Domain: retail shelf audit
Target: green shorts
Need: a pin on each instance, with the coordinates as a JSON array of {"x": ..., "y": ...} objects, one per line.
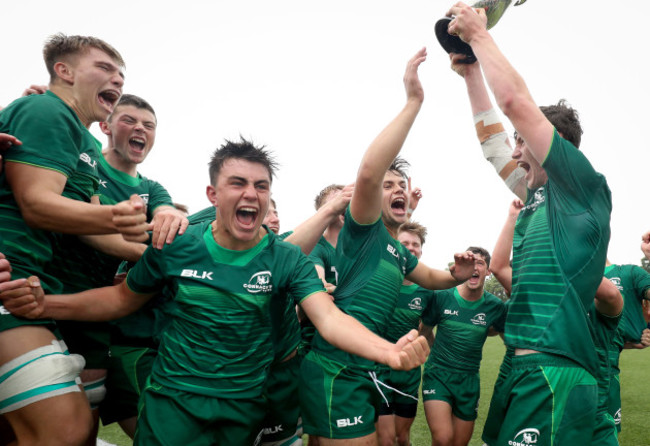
[
  {"x": 281, "y": 391},
  {"x": 88, "y": 339},
  {"x": 336, "y": 401},
  {"x": 400, "y": 388},
  {"x": 173, "y": 417},
  {"x": 614, "y": 400},
  {"x": 128, "y": 370},
  {"x": 605, "y": 433},
  {"x": 497, "y": 409},
  {"x": 549, "y": 400},
  {"x": 460, "y": 390}
]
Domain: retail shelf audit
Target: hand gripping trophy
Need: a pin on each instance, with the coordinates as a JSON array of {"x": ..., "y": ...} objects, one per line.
[{"x": 494, "y": 9}]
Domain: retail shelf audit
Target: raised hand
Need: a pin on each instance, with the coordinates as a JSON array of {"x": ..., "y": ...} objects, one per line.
[
  {"x": 463, "y": 266},
  {"x": 414, "y": 90}
]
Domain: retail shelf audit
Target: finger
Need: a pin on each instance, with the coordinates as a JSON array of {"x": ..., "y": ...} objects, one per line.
[
  {"x": 184, "y": 224},
  {"x": 173, "y": 230},
  {"x": 409, "y": 184},
  {"x": 6, "y": 287}
]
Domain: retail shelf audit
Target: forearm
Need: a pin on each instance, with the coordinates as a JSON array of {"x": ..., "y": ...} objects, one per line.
[
  {"x": 114, "y": 245},
  {"x": 99, "y": 304},
  {"x": 307, "y": 234},
  {"x": 505, "y": 82},
  {"x": 56, "y": 213},
  {"x": 433, "y": 279},
  {"x": 348, "y": 334},
  {"x": 387, "y": 145}
]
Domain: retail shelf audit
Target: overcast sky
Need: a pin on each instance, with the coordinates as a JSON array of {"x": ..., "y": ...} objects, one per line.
[{"x": 317, "y": 81}]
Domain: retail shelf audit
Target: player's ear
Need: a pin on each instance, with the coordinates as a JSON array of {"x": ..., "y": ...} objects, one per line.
[
  {"x": 211, "y": 193},
  {"x": 104, "y": 128},
  {"x": 64, "y": 72}
]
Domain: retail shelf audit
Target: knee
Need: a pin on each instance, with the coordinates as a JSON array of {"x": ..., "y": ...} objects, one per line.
[{"x": 403, "y": 439}]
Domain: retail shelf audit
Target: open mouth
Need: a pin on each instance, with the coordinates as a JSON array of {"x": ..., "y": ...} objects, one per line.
[
  {"x": 109, "y": 98},
  {"x": 246, "y": 216},
  {"x": 398, "y": 206},
  {"x": 137, "y": 143},
  {"x": 474, "y": 279}
]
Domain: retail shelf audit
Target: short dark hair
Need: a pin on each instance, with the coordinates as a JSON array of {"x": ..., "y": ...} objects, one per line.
[
  {"x": 565, "y": 119},
  {"x": 135, "y": 101},
  {"x": 400, "y": 166},
  {"x": 59, "y": 46},
  {"x": 322, "y": 195},
  {"x": 482, "y": 252},
  {"x": 244, "y": 150},
  {"x": 414, "y": 228}
]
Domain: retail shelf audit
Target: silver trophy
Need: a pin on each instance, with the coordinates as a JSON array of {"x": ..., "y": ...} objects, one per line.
[{"x": 494, "y": 9}]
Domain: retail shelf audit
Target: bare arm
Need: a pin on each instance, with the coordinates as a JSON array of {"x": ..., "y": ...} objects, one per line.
[
  {"x": 365, "y": 206},
  {"x": 508, "y": 87},
  {"x": 38, "y": 194},
  {"x": 114, "y": 245},
  {"x": 435, "y": 279},
  {"x": 348, "y": 334},
  {"x": 489, "y": 129},
  {"x": 307, "y": 234},
  {"x": 25, "y": 298},
  {"x": 608, "y": 298},
  {"x": 500, "y": 263}
]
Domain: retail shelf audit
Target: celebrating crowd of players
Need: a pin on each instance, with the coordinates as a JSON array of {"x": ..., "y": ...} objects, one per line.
[{"x": 214, "y": 328}]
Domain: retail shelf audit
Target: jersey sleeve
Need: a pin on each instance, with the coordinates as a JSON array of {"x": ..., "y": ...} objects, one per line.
[
  {"x": 148, "y": 273},
  {"x": 572, "y": 173},
  {"x": 48, "y": 137},
  {"x": 304, "y": 280},
  {"x": 158, "y": 196},
  {"x": 641, "y": 280},
  {"x": 317, "y": 255},
  {"x": 353, "y": 235}
]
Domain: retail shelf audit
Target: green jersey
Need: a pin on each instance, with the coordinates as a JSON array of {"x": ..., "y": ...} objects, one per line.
[
  {"x": 633, "y": 282},
  {"x": 323, "y": 255},
  {"x": 207, "y": 214},
  {"x": 412, "y": 302},
  {"x": 559, "y": 249},
  {"x": 462, "y": 329},
  {"x": 219, "y": 340},
  {"x": 80, "y": 267},
  {"x": 371, "y": 266},
  {"x": 53, "y": 138},
  {"x": 605, "y": 328}
]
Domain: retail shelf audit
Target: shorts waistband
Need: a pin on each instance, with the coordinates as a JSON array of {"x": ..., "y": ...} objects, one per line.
[{"x": 547, "y": 359}]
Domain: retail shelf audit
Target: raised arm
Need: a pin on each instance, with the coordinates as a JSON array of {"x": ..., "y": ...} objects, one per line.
[
  {"x": 489, "y": 129},
  {"x": 307, "y": 234},
  {"x": 435, "y": 279},
  {"x": 508, "y": 87},
  {"x": 500, "y": 263},
  {"x": 365, "y": 206}
]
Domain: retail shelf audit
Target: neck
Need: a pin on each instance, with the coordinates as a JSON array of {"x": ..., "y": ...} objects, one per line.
[
  {"x": 468, "y": 293},
  {"x": 225, "y": 239},
  {"x": 117, "y": 162},
  {"x": 66, "y": 95},
  {"x": 331, "y": 234}
]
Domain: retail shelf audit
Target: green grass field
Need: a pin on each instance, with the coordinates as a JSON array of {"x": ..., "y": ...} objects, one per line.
[{"x": 634, "y": 389}]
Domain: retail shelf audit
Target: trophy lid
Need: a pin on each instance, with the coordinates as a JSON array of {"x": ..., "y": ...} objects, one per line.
[{"x": 452, "y": 43}]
